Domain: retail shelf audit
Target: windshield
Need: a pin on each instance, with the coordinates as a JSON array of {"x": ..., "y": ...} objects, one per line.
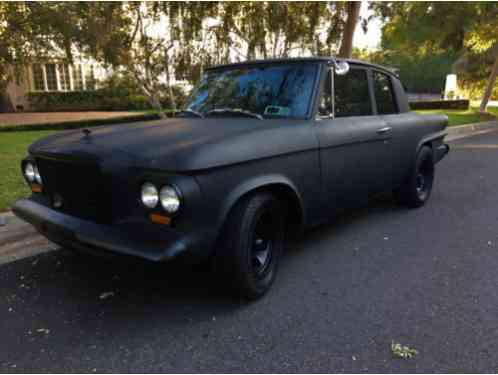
[{"x": 269, "y": 91}]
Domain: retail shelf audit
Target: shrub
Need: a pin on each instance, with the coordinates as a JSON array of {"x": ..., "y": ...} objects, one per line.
[
  {"x": 440, "y": 104},
  {"x": 99, "y": 100},
  {"x": 106, "y": 99}
]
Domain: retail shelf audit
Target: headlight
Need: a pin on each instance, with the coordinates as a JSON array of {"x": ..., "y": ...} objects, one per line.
[
  {"x": 29, "y": 172},
  {"x": 169, "y": 199},
  {"x": 150, "y": 197},
  {"x": 38, "y": 176}
]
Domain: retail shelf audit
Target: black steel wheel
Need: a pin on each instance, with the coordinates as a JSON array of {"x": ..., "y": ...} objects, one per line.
[
  {"x": 251, "y": 245},
  {"x": 417, "y": 189}
]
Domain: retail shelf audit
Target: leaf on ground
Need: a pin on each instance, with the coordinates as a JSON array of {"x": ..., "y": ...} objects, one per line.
[
  {"x": 106, "y": 295},
  {"x": 401, "y": 351}
]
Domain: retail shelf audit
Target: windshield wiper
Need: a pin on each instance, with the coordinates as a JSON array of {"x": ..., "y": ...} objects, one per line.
[
  {"x": 238, "y": 111},
  {"x": 191, "y": 111}
]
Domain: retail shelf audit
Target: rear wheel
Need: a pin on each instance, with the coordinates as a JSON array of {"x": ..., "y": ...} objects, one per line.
[
  {"x": 417, "y": 189},
  {"x": 252, "y": 243}
]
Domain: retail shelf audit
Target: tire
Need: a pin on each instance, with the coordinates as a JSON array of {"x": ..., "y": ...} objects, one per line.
[
  {"x": 415, "y": 192},
  {"x": 251, "y": 245}
]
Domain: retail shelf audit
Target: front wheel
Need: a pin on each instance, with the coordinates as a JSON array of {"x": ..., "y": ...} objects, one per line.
[
  {"x": 417, "y": 189},
  {"x": 251, "y": 245}
]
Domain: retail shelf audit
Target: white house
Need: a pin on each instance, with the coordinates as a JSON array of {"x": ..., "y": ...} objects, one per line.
[{"x": 52, "y": 76}]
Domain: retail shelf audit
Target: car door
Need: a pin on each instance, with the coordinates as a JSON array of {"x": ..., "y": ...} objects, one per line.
[
  {"x": 353, "y": 140},
  {"x": 388, "y": 109}
]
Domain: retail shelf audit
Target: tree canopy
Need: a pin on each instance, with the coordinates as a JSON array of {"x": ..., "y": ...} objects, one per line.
[{"x": 465, "y": 32}]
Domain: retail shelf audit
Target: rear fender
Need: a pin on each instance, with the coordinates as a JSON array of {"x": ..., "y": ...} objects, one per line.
[{"x": 435, "y": 142}]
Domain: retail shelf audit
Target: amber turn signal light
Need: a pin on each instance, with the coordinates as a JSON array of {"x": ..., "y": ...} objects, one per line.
[
  {"x": 35, "y": 188},
  {"x": 160, "y": 219}
]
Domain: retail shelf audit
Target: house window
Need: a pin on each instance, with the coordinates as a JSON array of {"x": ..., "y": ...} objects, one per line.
[
  {"x": 89, "y": 78},
  {"x": 38, "y": 82},
  {"x": 77, "y": 78},
  {"x": 58, "y": 77},
  {"x": 64, "y": 77},
  {"x": 51, "y": 77}
]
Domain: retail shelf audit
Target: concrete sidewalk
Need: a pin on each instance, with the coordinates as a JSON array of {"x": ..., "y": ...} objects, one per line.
[{"x": 19, "y": 239}]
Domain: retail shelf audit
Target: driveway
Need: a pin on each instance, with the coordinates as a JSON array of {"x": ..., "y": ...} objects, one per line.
[
  {"x": 425, "y": 278},
  {"x": 23, "y": 118}
]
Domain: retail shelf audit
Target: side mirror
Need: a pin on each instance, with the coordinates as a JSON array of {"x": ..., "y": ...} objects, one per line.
[{"x": 341, "y": 68}]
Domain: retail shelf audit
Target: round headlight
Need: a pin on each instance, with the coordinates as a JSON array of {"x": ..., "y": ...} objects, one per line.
[
  {"x": 29, "y": 172},
  {"x": 38, "y": 176},
  {"x": 169, "y": 199},
  {"x": 150, "y": 197}
]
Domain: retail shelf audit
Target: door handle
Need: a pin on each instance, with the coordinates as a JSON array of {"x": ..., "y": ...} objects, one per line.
[{"x": 384, "y": 130}]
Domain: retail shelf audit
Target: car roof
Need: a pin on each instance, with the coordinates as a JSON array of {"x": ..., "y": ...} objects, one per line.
[{"x": 319, "y": 59}]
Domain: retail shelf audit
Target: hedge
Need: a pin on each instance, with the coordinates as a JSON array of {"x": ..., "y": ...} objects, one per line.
[
  {"x": 98, "y": 100},
  {"x": 441, "y": 104},
  {"x": 78, "y": 124}
]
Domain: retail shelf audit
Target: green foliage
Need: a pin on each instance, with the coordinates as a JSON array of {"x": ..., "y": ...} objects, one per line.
[
  {"x": 107, "y": 99},
  {"x": 419, "y": 72},
  {"x": 473, "y": 89},
  {"x": 123, "y": 85},
  {"x": 100, "y": 100},
  {"x": 466, "y": 33},
  {"x": 440, "y": 104}
]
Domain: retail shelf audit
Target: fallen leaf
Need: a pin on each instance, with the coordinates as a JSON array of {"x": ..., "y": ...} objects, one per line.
[
  {"x": 106, "y": 295},
  {"x": 404, "y": 352}
]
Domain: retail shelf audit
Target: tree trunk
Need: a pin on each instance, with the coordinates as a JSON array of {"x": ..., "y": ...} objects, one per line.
[
  {"x": 489, "y": 87},
  {"x": 168, "y": 82},
  {"x": 157, "y": 105},
  {"x": 346, "y": 49},
  {"x": 151, "y": 97}
]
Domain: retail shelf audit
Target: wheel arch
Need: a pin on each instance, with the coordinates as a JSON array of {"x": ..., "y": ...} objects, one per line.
[
  {"x": 278, "y": 185},
  {"x": 431, "y": 140}
]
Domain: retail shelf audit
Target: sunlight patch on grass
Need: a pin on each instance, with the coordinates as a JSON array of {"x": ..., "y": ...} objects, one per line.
[{"x": 13, "y": 148}]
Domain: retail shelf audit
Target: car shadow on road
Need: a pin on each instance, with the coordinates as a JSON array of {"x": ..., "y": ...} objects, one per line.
[
  {"x": 93, "y": 291},
  {"x": 378, "y": 207}
]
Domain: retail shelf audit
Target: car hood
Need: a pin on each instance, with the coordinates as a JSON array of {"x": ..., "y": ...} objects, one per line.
[{"x": 183, "y": 144}]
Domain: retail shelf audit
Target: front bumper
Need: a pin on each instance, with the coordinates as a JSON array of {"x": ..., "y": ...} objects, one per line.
[{"x": 141, "y": 239}]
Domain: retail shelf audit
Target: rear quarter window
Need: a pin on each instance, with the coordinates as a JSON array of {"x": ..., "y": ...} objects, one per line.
[{"x": 384, "y": 93}]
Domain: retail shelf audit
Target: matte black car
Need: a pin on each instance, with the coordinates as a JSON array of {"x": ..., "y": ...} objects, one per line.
[{"x": 263, "y": 149}]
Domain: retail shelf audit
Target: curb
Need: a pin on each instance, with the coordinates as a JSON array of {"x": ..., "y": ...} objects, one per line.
[
  {"x": 461, "y": 131},
  {"x": 13, "y": 229}
]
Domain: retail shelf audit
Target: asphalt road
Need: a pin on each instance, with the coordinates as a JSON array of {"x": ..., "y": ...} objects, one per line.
[{"x": 425, "y": 278}]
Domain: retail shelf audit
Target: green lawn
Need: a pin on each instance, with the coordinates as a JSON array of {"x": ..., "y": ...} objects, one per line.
[
  {"x": 461, "y": 117},
  {"x": 13, "y": 148},
  {"x": 493, "y": 110}
]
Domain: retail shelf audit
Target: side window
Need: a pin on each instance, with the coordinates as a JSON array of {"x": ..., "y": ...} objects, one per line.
[
  {"x": 352, "y": 95},
  {"x": 325, "y": 105},
  {"x": 384, "y": 95}
]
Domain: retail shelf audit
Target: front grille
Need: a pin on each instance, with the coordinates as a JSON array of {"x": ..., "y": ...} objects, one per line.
[{"x": 79, "y": 185}]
